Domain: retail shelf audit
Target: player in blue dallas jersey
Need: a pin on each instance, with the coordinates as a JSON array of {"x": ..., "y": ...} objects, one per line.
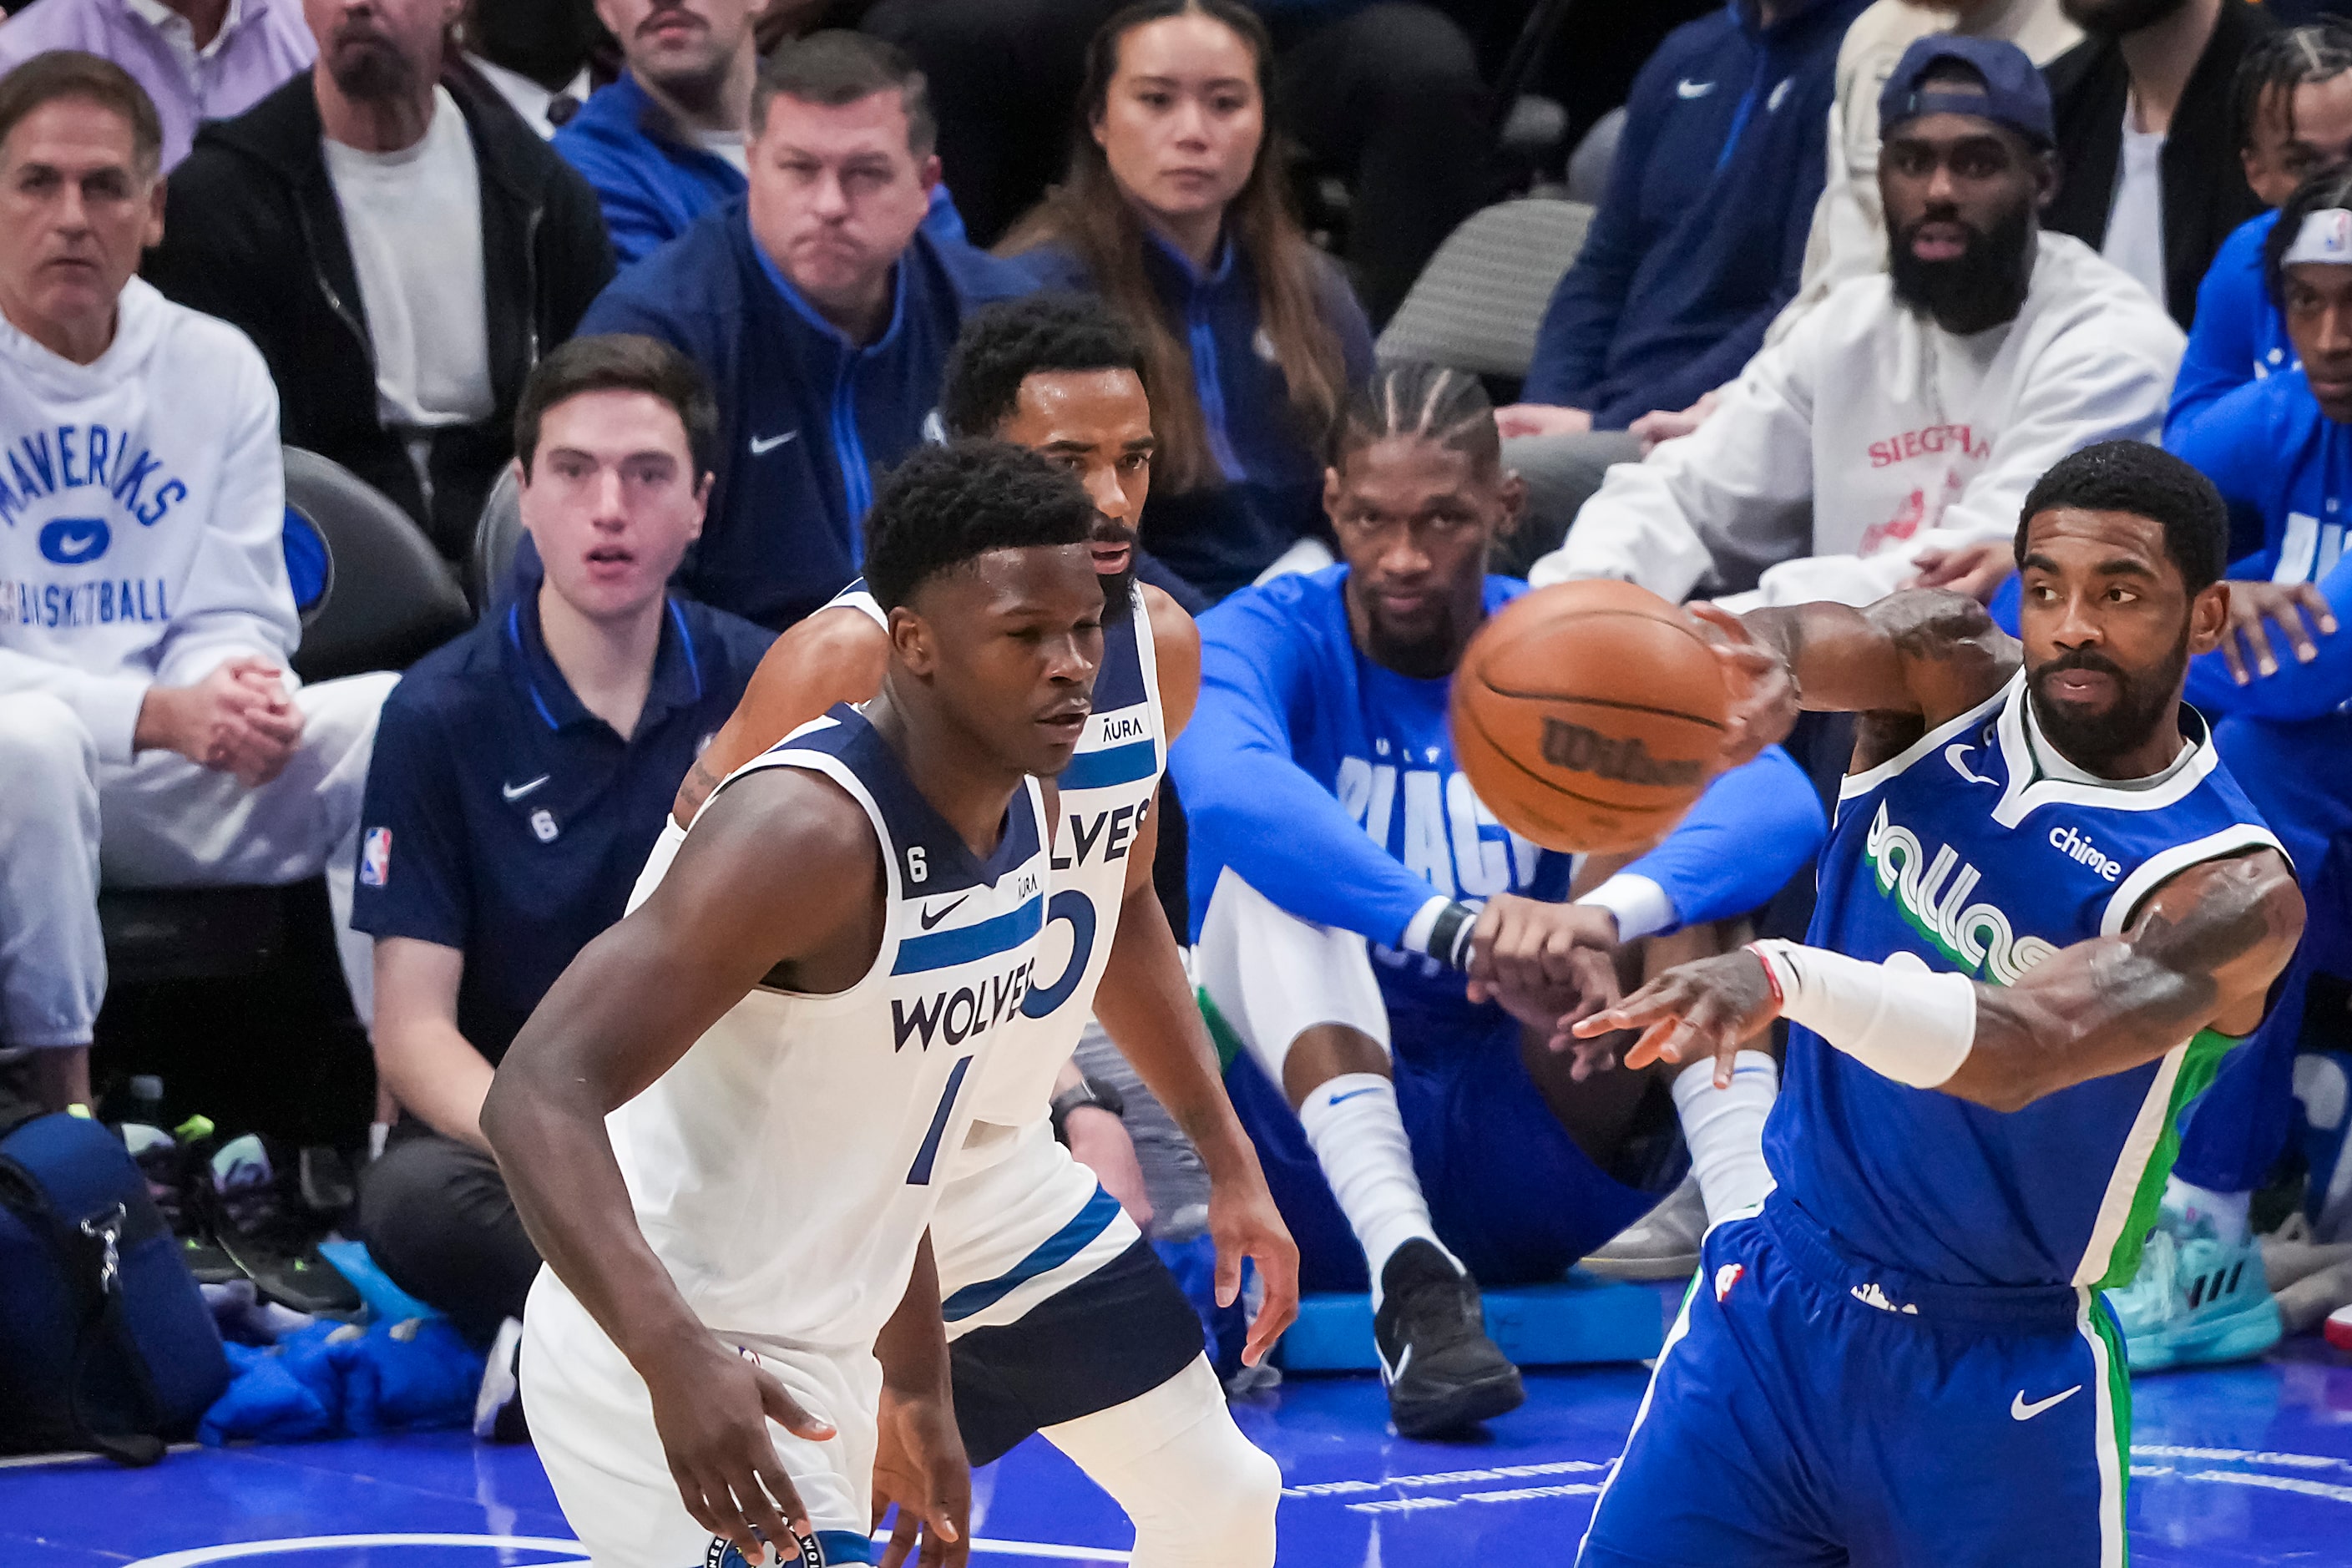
[
  {"x": 2045, "y": 913},
  {"x": 715, "y": 1125},
  {"x": 1417, "y": 1137},
  {"x": 1061, "y": 1318}
]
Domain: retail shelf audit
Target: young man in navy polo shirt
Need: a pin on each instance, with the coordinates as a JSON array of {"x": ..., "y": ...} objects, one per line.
[
  {"x": 520, "y": 776},
  {"x": 822, "y": 307}
]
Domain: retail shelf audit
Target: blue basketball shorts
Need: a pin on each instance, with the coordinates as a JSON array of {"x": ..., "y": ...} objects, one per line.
[{"x": 1809, "y": 1410}]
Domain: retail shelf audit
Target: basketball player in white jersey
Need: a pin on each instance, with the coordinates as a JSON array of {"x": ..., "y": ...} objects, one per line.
[
  {"x": 1062, "y": 1319},
  {"x": 722, "y": 1126}
]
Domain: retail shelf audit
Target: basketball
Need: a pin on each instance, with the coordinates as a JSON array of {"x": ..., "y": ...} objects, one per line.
[{"x": 1588, "y": 715}]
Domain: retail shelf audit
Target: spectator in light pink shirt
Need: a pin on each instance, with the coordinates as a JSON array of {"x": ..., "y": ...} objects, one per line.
[{"x": 198, "y": 59}]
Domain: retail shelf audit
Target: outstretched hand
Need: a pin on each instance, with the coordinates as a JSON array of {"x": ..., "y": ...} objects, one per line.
[
  {"x": 711, "y": 1408},
  {"x": 1710, "y": 1008},
  {"x": 920, "y": 1467},
  {"x": 1764, "y": 704}
]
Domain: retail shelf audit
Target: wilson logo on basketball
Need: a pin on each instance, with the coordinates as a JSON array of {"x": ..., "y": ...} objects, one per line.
[{"x": 1626, "y": 761}]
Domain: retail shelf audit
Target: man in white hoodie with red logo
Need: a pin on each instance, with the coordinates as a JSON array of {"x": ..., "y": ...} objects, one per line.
[
  {"x": 150, "y": 731},
  {"x": 1890, "y": 438}
]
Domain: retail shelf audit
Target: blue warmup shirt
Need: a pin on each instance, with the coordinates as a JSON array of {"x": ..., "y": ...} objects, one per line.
[
  {"x": 1220, "y": 536},
  {"x": 2239, "y": 335},
  {"x": 2286, "y": 470},
  {"x": 805, "y": 416},
  {"x": 650, "y": 182},
  {"x": 505, "y": 820},
  {"x": 1962, "y": 854},
  {"x": 1327, "y": 783},
  {"x": 1700, "y": 237}
]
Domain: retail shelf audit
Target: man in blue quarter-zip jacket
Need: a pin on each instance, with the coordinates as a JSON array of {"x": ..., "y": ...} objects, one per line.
[
  {"x": 823, "y": 309},
  {"x": 1698, "y": 243}
]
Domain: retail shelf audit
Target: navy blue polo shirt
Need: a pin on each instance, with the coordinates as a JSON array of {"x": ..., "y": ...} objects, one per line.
[
  {"x": 805, "y": 416},
  {"x": 505, "y": 820}
]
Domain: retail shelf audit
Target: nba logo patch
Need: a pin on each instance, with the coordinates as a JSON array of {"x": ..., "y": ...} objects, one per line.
[
  {"x": 376, "y": 856},
  {"x": 1726, "y": 1277}
]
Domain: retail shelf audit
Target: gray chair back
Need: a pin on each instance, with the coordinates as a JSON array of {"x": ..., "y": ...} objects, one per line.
[
  {"x": 1588, "y": 166},
  {"x": 387, "y": 596},
  {"x": 1476, "y": 306},
  {"x": 496, "y": 534}
]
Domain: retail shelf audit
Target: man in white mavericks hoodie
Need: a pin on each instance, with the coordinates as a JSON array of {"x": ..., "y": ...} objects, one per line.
[
  {"x": 150, "y": 731},
  {"x": 1911, "y": 411}
]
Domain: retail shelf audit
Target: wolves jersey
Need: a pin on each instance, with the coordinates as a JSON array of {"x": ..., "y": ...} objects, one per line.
[
  {"x": 1963, "y": 853},
  {"x": 1106, "y": 795},
  {"x": 784, "y": 1168}
]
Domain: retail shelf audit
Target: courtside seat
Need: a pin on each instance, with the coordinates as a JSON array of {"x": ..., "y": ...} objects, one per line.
[
  {"x": 1477, "y": 304},
  {"x": 372, "y": 595}
]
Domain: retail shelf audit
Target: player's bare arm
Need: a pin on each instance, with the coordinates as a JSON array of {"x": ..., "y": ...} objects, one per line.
[
  {"x": 919, "y": 1463},
  {"x": 1914, "y": 659},
  {"x": 732, "y": 915},
  {"x": 834, "y": 656},
  {"x": 2200, "y": 953},
  {"x": 1146, "y": 1006}
]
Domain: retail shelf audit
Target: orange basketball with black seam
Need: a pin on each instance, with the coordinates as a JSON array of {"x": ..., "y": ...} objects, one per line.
[{"x": 1589, "y": 716}]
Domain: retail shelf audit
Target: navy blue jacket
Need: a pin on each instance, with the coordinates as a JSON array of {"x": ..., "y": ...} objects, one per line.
[
  {"x": 1701, "y": 237},
  {"x": 805, "y": 416},
  {"x": 1220, "y": 536},
  {"x": 650, "y": 181},
  {"x": 505, "y": 820}
]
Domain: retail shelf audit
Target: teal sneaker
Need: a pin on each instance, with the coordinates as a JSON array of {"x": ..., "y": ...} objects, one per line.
[{"x": 2197, "y": 1300}]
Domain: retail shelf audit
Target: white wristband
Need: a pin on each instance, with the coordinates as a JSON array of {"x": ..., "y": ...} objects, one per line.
[{"x": 1899, "y": 1019}]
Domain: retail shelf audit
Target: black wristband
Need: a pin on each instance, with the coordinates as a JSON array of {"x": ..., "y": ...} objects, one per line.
[{"x": 1449, "y": 935}]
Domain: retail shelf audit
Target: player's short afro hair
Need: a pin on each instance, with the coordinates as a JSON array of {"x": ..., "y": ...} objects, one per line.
[
  {"x": 946, "y": 505},
  {"x": 1005, "y": 344},
  {"x": 2146, "y": 481}
]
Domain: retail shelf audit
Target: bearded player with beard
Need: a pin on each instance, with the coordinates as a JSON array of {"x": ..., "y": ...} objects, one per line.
[{"x": 1888, "y": 440}]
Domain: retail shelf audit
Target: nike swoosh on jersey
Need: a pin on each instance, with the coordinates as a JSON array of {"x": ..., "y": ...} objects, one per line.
[
  {"x": 516, "y": 792},
  {"x": 1689, "y": 88},
  {"x": 761, "y": 446},
  {"x": 1952, "y": 756},
  {"x": 1339, "y": 1099},
  {"x": 930, "y": 918},
  {"x": 2020, "y": 1411}
]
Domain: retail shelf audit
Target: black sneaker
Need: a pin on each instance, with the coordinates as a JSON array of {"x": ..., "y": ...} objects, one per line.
[
  {"x": 1442, "y": 1371},
  {"x": 167, "y": 1164},
  {"x": 261, "y": 1227}
]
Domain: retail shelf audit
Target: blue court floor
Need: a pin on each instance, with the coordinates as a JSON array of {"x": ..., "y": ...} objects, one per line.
[{"x": 2250, "y": 1465}]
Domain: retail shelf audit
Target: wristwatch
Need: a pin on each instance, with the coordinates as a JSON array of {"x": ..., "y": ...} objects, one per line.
[{"x": 1086, "y": 1092}]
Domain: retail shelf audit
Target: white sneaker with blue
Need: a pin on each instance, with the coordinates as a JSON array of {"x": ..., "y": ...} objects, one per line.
[{"x": 2198, "y": 1299}]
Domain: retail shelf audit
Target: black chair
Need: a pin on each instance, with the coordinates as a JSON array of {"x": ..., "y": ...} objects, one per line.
[
  {"x": 388, "y": 597},
  {"x": 374, "y": 595}
]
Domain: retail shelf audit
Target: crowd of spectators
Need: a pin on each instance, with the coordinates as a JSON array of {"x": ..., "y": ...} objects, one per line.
[{"x": 1860, "y": 273}]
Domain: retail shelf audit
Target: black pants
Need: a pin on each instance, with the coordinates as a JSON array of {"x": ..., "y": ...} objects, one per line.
[
  {"x": 1389, "y": 96},
  {"x": 435, "y": 1216}
]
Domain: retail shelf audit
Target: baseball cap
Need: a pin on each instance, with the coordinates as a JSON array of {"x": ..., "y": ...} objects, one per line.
[{"x": 2014, "y": 94}]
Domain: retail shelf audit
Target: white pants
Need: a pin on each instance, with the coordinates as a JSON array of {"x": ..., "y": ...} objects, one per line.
[
  {"x": 591, "y": 1419},
  {"x": 1274, "y": 976},
  {"x": 1021, "y": 1228},
  {"x": 69, "y": 823}
]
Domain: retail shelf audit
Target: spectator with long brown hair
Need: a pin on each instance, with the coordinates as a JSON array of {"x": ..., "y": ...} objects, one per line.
[{"x": 1174, "y": 210}]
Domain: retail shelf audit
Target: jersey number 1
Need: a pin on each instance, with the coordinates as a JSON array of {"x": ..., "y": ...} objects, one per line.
[{"x": 918, "y": 1175}]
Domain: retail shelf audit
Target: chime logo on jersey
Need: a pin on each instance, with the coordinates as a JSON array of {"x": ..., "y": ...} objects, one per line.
[{"x": 1933, "y": 894}]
